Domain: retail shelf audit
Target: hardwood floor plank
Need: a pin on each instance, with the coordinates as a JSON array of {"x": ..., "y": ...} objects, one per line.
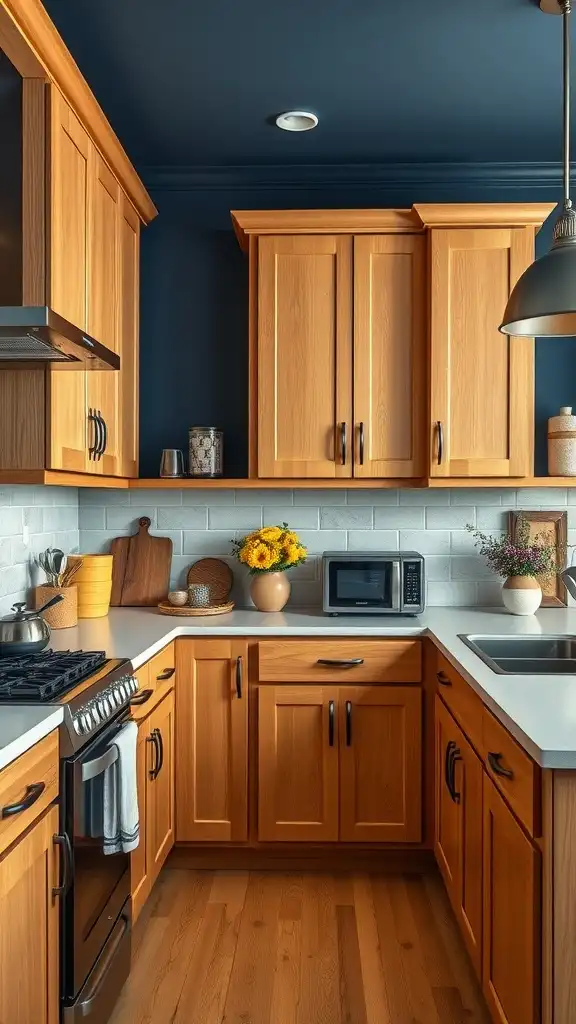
[
  {"x": 351, "y": 984},
  {"x": 287, "y": 974},
  {"x": 378, "y": 1007},
  {"x": 420, "y": 992},
  {"x": 449, "y": 1005},
  {"x": 249, "y": 995},
  {"x": 320, "y": 983},
  {"x": 343, "y": 889},
  {"x": 199, "y": 1000},
  {"x": 396, "y": 981}
]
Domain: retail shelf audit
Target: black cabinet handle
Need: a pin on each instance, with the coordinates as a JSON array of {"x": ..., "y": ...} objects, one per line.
[
  {"x": 343, "y": 444},
  {"x": 160, "y": 752},
  {"x": 440, "y": 432},
  {"x": 494, "y": 762},
  {"x": 63, "y": 841},
  {"x": 166, "y": 674},
  {"x": 331, "y": 722},
  {"x": 447, "y": 768},
  {"x": 141, "y": 698},
  {"x": 443, "y": 679},
  {"x": 361, "y": 444},
  {"x": 348, "y": 723},
  {"x": 104, "y": 444},
  {"x": 340, "y": 662},
  {"x": 100, "y": 442},
  {"x": 153, "y": 739},
  {"x": 456, "y": 756},
  {"x": 32, "y": 794},
  {"x": 239, "y": 676},
  {"x": 95, "y": 447}
]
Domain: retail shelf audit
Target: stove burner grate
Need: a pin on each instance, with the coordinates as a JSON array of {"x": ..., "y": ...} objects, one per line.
[{"x": 41, "y": 677}]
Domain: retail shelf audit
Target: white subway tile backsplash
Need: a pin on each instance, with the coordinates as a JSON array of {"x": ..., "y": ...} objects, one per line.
[
  {"x": 480, "y": 496},
  {"x": 437, "y": 568},
  {"x": 97, "y": 542},
  {"x": 6, "y": 548},
  {"x": 398, "y": 517},
  {"x": 269, "y": 496},
  {"x": 492, "y": 518},
  {"x": 541, "y": 497},
  {"x": 373, "y": 496},
  {"x": 92, "y": 517},
  {"x": 320, "y": 497},
  {"x": 298, "y": 518},
  {"x": 33, "y": 518},
  {"x": 453, "y": 518},
  {"x": 469, "y": 567},
  {"x": 104, "y": 496},
  {"x": 189, "y": 517},
  {"x": 427, "y": 542},
  {"x": 235, "y": 517},
  {"x": 461, "y": 542},
  {"x": 207, "y": 542},
  {"x": 489, "y": 593},
  {"x": 205, "y": 497},
  {"x": 125, "y": 517},
  {"x": 344, "y": 517},
  {"x": 156, "y": 496},
  {"x": 423, "y": 496},
  {"x": 452, "y": 594},
  {"x": 373, "y": 540},
  {"x": 10, "y": 521},
  {"x": 318, "y": 541}
]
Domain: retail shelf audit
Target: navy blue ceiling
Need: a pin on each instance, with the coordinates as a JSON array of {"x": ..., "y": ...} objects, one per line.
[{"x": 195, "y": 82}]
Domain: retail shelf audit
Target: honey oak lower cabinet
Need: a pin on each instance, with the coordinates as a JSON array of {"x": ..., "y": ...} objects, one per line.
[
  {"x": 211, "y": 740},
  {"x": 458, "y": 827},
  {"x": 155, "y": 778},
  {"x": 339, "y": 763},
  {"x": 511, "y": 942},
  {"x": 29, "y": 936}
]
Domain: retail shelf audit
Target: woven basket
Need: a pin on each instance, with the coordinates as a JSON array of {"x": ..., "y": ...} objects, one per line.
[{"x": 65, "y": 613}]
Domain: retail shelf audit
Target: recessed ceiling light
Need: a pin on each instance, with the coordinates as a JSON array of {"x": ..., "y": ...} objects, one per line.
[{"x": 297, "y": 121}]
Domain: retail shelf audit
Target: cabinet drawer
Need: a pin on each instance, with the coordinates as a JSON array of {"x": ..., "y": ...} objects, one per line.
[
  {"x": 343, "y": 661},
  {"x": 39, "y": 765},
  {"x": 459, "y": 696},
  {"x": 521, "y": 789},
  {"x": 162, "y": 667}
]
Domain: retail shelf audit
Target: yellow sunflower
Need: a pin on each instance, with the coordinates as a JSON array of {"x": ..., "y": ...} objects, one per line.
[
  {"x": 272, "y": 533},
  {"x": 261, "y": 556}
]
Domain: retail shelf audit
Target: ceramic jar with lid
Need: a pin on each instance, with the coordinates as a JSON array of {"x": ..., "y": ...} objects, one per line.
[{"x": 562, "y": 443}]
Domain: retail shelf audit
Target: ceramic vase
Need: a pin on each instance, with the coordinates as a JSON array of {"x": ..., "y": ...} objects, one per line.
[
  {"x": 522, "y": 595},
  {"x": 270, "y": 591}
]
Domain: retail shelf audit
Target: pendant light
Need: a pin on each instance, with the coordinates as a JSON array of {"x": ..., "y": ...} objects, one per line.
[{"x": 543, "y": 301}]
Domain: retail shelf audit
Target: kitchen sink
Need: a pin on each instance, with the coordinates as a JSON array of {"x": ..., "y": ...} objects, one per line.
[{"x": 525, "y": 655}]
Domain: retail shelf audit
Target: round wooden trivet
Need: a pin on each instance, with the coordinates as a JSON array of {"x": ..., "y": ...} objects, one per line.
[
  {"x": 217, "y": 574},
  {"x": 216, "y": 609}
]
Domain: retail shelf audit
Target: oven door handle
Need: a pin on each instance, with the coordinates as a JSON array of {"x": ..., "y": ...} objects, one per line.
[
  {"x": 84, "y": 1008},
  {"x": 67, "y": 864},
  {"x": 91, "y": 769}
]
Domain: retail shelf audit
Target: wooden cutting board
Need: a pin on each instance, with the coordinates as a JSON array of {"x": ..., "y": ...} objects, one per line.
[{"x": 141, "y": 568}]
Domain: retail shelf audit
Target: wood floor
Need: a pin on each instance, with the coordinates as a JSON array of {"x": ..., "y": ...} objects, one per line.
[{"x": 271, "y": 948}]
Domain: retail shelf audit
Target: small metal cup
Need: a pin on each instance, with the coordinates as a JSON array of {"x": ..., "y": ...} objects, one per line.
[
  {"x": 199, "y": 595},
  {"x": 172, "y": 463}
]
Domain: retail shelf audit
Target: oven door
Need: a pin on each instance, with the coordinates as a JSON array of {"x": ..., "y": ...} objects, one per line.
[
  {"x": 363, "y": 585},
  {"x": 100, "y": 884}
]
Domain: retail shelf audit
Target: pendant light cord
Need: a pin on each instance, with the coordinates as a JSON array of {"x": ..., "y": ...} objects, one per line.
[{"x": 566, "y": 9}]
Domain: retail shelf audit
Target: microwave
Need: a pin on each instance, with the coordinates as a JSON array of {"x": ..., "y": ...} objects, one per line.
[{"x": 369, "y": 583}]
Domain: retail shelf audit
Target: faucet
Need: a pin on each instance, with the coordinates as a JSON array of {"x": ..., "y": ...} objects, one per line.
[{"x": 568, "y": 577}]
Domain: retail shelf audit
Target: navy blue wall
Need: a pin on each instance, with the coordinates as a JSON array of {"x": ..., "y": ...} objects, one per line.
[{"x": 194, "y": 310}]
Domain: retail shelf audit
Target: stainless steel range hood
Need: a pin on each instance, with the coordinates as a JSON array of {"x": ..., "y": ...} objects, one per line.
[{"x": 38, "y": 334}]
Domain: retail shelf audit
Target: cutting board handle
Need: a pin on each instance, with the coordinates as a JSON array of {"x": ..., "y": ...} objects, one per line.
[{"x": 144, "y": 524}]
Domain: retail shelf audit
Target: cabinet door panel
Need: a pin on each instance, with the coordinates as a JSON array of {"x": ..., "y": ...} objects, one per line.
[
  {"x": 380, "y": 764},
  {"x": 482, "y": 383},
  {"x": 70, "y": 150},
  {"x": 297, "y": 764},
  {"x": 129, "y": 337},
  {"x": 447, "y": 838},
  {"x": 29, "y": 943},
  {"x": 160, "y": 828},
  {"x": 304, "y": 355},
  {"x": 389, "y": 354},
  {"x": 212, "y": 724},
  {"x": 140, "y": 881},
  {"x": 511, "y": 943}
]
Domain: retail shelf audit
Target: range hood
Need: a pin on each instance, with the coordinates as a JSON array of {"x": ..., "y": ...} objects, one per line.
[{"x": 38, "y": 334}]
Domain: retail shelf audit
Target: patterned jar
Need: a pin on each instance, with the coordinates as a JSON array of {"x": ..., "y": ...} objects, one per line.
[
  {"x": 205, "y": 451},
  {"x": 562, "y": 443}
]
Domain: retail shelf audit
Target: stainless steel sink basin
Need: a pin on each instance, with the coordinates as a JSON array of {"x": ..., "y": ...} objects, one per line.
[{"x": 525, "y": 655}]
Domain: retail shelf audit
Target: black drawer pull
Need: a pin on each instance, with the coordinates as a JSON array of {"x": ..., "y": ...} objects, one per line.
[
  {"x": 153, "y": 739},
  {"x": 166, "y": 674},
  {"x": 443, "y": 679},
  {"x": 494, "y": 762},
  {"x": 32, "y": 794},
  {"x": 239, "y": 676},
  {"x": 348, "y": 723},
  {"x": 331, "y": 722},
  {"x": 141, "y": 698},
  {"x": 340, "y": 662},
  {"x": 67, "y": 864}
]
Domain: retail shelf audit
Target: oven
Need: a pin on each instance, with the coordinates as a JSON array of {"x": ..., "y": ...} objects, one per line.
[
  {"x": 96, "y": 914},
  {"x": 373, "y": 583}
]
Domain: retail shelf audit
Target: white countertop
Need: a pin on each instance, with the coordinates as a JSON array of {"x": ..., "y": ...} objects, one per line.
[
  {"x": 540, "y": 711},
  {"x": 21, "y": 726}
]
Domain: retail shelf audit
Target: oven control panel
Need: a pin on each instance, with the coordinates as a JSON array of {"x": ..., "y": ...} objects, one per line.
[{"x": 105, "y": 704}]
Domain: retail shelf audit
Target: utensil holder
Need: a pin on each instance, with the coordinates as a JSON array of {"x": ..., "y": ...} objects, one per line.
[{"x": 65, "y": 613}]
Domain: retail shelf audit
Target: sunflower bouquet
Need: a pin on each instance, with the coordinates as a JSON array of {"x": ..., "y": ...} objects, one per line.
[{"x": 271, "y": 549}]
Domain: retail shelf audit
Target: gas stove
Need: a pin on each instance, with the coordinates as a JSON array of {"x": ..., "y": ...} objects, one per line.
[{"x": 92, "y": 689}]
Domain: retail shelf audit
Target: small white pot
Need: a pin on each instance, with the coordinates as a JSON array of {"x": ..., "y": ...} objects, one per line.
[{"x": 522, "y": 595}]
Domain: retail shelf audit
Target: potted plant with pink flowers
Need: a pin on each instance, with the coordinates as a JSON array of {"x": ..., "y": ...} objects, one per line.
[{"x": 520, "y": 562}]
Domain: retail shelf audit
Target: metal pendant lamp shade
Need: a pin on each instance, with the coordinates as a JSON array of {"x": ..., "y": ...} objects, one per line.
[{"x": 543, "y": 302}]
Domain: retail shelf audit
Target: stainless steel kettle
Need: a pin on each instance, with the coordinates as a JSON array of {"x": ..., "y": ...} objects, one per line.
[
  {"x": 25, "y": 632},
  {"x": 568, "y": 578}
]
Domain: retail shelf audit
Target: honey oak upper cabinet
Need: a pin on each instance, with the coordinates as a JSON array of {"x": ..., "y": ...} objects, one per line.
[
  {"x": 389, "y": 355},
  {"x": 211, "y": 740}
]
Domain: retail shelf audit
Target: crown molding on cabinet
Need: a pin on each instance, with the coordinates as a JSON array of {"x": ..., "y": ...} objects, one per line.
[
  {"x": 32, "y": 43},
  {"x": 531, "y": 176}
]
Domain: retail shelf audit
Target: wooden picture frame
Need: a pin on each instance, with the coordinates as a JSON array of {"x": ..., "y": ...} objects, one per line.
[{"x": 553, "y": 525}]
